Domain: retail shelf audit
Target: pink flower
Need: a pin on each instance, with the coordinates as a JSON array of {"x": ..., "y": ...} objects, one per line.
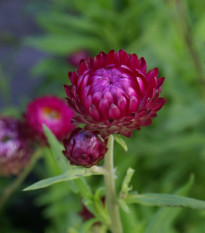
[
  {"x": 51, "y": 111},
  {"x": 15, "y": 146},
  {"x": 84, "y": 148},
  {"x": 113, "y": 93}
]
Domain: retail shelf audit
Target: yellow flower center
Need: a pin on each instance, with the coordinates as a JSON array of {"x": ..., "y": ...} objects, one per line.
[{"x": 51, "y": 113}]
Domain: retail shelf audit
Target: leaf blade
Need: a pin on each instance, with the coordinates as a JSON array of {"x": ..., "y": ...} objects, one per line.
[
  {"x": 120, "y": 141},
  {"x": 69, "y": 175},
  {"x": 168, "y": 200},
  {"x": 56, "y": 149},
  {"x": 164, "y": 217}
]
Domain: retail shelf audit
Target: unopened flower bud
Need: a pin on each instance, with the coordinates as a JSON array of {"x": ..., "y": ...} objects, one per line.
[{"x": 84, "y": 148}]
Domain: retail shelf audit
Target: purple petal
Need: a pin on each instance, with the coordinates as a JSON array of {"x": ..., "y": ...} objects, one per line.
[
  {"x": 152, "y": 73},
  {"x": 94, "y": 112},
  {"x": 82, "y": 67},
  {"x": 114, "y": 112},
  {"x": 142, "y": 65},
  {"x": 160, "y": 81},
  {"x": 134, "y": 62},
  {"x": 103, "y": 107},
  {"x": 141, "y": 84},
  {"x": 108, "y": 96},
  {"x": 122, "y": 104},
  {"x": 87, "y": 103},
  {"x": 124, "y": 58},
  {"x": 68, "y": 90},
  {"x": 96, "y": 98},
  {"x": 133, "y": 104}
]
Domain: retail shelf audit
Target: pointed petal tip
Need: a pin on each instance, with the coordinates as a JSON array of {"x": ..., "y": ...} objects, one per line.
[
  {"x": 160, "y": 81},
  {"x": 82, "y": 66},
  {"x": 70, "y": 74}
]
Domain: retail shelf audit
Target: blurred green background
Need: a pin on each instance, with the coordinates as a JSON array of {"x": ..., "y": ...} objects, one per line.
[{"x": 170, "y": 35}]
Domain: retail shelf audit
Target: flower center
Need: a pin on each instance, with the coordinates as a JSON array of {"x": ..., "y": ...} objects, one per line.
[
  {"x": 112, "y": 76},
  {"x": 51, "y": 113},
  {"x": 109, "y": 79}
]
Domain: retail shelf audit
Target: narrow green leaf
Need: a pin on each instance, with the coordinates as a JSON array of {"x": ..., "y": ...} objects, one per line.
[
  {"x": 72, "y": 230},
  {"x": 124, "y": 206},
  {"x": 69, "y": 175},
  {"x": 56, "y": 149},
  {"x": 64, "y": 165},
  {"x": 88, "y": 224},
  {"x": 169, "y": 200},
  {"x": 101, "y": 210},
  {"x": 125, "y": 185},
  {"x": 120, "y": 141},
  {"x": 164, "y": 217},
  {"x": 83, "y": 188}
]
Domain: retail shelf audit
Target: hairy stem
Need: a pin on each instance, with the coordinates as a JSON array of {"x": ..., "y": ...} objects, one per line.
[
  {"x": 111, "y": 199},
  {"x": 8, "y": 191}
]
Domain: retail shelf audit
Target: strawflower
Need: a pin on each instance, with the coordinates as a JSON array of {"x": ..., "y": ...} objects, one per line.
[
  {"x": 15, "y": 146},
  {"x": 113, "y": 93},
  {"x": 51, "y": 111},
  {"x": 84, "y": 148}
]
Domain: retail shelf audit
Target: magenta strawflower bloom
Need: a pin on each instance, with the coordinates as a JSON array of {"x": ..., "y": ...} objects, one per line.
[
  {"x": 53, "y": 112},
  {"x": 113, "y": 93},
  {"x": 75, "y": 58},
  {"x": 15, "y": 146},
  {"x": 84, "y": 148}
]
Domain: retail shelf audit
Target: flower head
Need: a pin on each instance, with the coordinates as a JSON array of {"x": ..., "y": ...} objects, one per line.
[
  {"x": 113, "y": 93},
  {"x": 15, "y": 146},
  {"x": 84, "y": 148},
  {"x": 53, "y": 112}
]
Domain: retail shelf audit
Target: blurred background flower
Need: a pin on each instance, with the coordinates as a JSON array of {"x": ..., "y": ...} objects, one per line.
[
  {"x": 52, "y": 112},
  {"x": 75, "y": 57},
  {"x": 15, "y": 146}
]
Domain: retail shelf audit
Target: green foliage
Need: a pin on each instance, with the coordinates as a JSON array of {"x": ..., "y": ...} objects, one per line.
[
  {"x": 163, "y": 219},
  {"x": 56, "y": 149},
  {"x": 120, "y": 141},
  {"x": 164, "y": 154},
  {"x": 156, "y": 199},
  {"x": 63, "y": 45},
  {"x": 69, "y": 175}
]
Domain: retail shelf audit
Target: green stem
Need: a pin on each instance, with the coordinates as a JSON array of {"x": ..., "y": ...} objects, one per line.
[
  {"x": 111, "y": 199},
  {"x": 19, "y": 179}
]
